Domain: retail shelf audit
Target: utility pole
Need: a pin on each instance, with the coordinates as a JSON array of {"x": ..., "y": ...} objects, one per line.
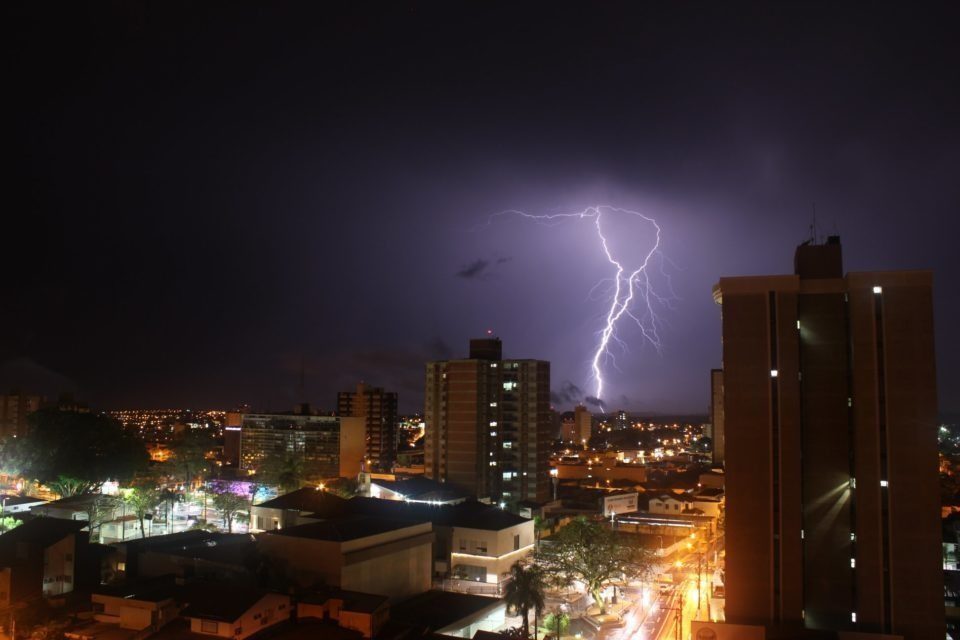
[{"x": 680, "y": 617}]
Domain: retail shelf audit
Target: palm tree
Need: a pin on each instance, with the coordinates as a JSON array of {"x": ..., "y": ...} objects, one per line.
[
  {"x": 525, "y": 592},
  {"x": 286, "y": 471}
]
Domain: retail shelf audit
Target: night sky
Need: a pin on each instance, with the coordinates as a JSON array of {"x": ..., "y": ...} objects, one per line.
[{"x": 204, "y": 196}]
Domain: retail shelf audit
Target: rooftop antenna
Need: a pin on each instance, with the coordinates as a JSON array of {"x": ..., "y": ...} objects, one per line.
[
  {"x": 813, "y": 225},
  {"x": 303, "y": 397}
]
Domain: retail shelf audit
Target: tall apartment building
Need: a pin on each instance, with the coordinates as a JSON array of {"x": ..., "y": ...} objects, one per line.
[
  {"x": 14, "y": 409},
  {"x": 583, "y": 421},
  {"x": 379, "y": 410},
  {"x": 829, "y": 394},
  {"x": 488, "y": 426},
  {"x": 326, "y": 446},
  {"x": 717, "y": 416}
]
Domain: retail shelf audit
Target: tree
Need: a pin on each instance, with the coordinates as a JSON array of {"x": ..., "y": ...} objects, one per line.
[
  {"x": 168, "y": 498},
  {"x": 103, "y": 509},
  {"x": 229, "y": 504},
  {"x": 556, "y": 623},
  {"x": 141, "y": 501},
  {"x": 7, "y": 523},
  {"x": 285, "y": 471},
  {"x": 344, "y": 487},
  {"x": 593, "y": 554},
  {"x": 85, "y": 447},
  {"x": 66, "y": 487},
  {"x": 525, "y": 592},
  {"x": 190, "y": 456}
]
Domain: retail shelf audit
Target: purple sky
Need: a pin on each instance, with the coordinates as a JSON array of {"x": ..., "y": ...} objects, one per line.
[{"x": 208, "y": 195}]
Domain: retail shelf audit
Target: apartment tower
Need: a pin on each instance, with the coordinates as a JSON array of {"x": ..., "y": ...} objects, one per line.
[
  {"x": 379, "y": 409},
  {"x": 829, "y": 396},
  {"x": 488, "y": 426}
]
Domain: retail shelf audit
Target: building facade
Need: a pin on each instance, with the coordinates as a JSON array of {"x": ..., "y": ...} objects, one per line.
[
  {"x": 326, "y": 446},
  {"x": 716, "y": 415},
  {"x": 829, "y": 395},
  {"x": 378, "y": 409},
  {"x": 488, "y": 425}
]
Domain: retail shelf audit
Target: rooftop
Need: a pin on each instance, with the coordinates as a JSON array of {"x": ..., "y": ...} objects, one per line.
[
  {"x": 435, "y": 610},
  {"x": 14, "y": 500},
  {"x": 80, "y": 502},
  {"x": 421, "y": 488},
  {"x": 345, "y": 529},
  {"x": 41, "y": 532},
  {"x": 352, "y": 600},
  {"x": 152, "y": 590},
  {"x": 221, "y": 601},
  {"x": 322, "y": 503},
  {"x": 468, "y": 515}
]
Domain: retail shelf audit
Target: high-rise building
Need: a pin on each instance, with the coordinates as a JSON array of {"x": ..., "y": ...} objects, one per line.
[
  {"x": 621, "y": 420},
  {"x": 324, "y": 446},
  {"x": 232, "y": 424},
  {"x": 716, "y": 415},
  {"x": 829, "y": 394},
  {"x": 14, "y": 409},
  {"x": 568, "y": 427},
  {"x": 379, "y": 410},
  {"x": 488, "y": 426},
  {"x": 583, "y": 421}
]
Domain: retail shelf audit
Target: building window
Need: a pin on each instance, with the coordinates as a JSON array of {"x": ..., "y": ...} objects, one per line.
[
  {"x": 516, "y": 542},
  {"x": 208, "y": 626}
]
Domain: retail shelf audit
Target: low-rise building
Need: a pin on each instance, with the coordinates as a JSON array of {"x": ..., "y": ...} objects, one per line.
[
  {"x": 19, "y": 504},
  {"x": 229, "y": 611},
  {"x": 474, "y": 541},
  {"x": 295, "y": 508},
  {"x": 358, "y": 553},
  {"x": 363, "y": 612},
  {"x": 145, "y": 606},
  {"x": 38, "y": 559}
]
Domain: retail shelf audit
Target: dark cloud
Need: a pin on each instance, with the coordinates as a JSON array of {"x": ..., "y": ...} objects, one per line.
[
  {"x": 474, "y": 269},
  {"x": 568, "y": 393},
  {"x": 593, "y": 401},
  {"x": 29, "y": 376}
]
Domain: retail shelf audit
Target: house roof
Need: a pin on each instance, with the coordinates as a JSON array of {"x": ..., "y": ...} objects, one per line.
[
  {"x": 40, "y": 532},
  {"x": 322, "y": 503},
  {"x": 352, "y": 600},
  {"x": 313, "y": 629},
  {"x": 468, "y": 515},
  {"x": 710, "y": 492},
  {"x": 221, "y": 548},
  {"x": 436, "y": 609},
  {"x": 421, "y": 488},
  {"x": 12, "y": 501},
  {"x": 344, "y": 529},
  {"x": 80, "y": 502},
  {"x": 150, "y": 590},
  {"x": 220, "y": 601},
  {"x": 679, "y": 497}
]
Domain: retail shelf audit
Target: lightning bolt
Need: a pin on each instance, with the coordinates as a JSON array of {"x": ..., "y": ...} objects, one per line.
[{"x": 633, "y": 294}]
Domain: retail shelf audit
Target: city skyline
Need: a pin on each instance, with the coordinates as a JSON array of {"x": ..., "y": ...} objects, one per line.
[{"x": 202, "y": 221}]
